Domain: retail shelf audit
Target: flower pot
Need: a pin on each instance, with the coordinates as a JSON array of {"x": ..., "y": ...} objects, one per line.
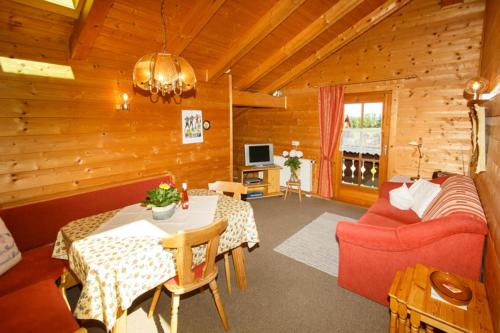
[{"x": 163, "y": 213}]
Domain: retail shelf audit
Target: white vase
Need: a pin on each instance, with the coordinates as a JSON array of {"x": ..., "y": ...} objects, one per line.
[{"x": 163, "y": 213}]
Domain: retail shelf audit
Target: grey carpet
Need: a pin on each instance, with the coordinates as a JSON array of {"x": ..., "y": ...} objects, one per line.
[
  {"x": 283, "y": 295},
  {"x": 315, "y": 244}
]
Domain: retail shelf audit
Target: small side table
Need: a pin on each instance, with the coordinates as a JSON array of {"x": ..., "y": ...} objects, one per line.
[
  {"x": 398, "y": 297},
  {"x": 410, "y": 296},
  {"x": 293, "y": 186}
]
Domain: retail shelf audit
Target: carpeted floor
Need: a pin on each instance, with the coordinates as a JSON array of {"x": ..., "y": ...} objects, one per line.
[
  {"x": 284, "y": 295},
  {"x": 313, "y": 245}
]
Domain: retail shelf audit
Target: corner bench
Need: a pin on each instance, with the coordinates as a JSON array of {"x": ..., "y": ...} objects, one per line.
[{"x": 34, "y": 228}]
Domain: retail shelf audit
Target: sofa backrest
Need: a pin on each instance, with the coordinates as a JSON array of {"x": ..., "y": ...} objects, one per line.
[
  {"x": 458, "y": 194},
  {"x": 37, "y": 224}
]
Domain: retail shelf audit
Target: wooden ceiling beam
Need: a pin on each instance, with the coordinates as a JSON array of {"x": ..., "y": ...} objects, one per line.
[
  {"x": 87, "y": 27},
  {"x": 322, "y": 23},
  {"x": 200, "y": 16},
  {"x": 257, "y": 100},
  {"x": 445, "y": 3},
  {"x": 338, "y": 42},
  {"x": 280, "y": 11}
]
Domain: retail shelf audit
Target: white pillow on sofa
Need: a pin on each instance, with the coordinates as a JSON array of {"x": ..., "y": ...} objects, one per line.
[
  {"x": 9, "y": 254},
  {"x": 401, "y": 197},
  {"x": 423, "y": 192}
]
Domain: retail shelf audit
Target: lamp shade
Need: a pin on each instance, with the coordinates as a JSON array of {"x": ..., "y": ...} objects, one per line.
[
  {"x": 476, "y": 86},
  {"x": 163, "y": 73}
]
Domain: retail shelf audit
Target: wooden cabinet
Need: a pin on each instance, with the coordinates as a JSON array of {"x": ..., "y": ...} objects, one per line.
[{"x": 268, "y": 183}]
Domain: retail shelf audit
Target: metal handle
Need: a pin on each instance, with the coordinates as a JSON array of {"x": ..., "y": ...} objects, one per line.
[{"x": 385, "y": 149}]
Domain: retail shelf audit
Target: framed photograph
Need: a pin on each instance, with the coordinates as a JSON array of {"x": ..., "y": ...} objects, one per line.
[{"x": 192, "y": 126}]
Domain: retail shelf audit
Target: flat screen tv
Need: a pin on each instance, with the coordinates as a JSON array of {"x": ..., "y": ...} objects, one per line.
[{"x": 259, "y": 154}]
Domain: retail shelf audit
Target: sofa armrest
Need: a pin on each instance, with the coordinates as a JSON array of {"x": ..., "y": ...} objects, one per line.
[{"x": 409, "y": 236}]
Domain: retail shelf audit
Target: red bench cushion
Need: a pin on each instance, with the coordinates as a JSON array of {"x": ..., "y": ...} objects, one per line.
[
  {"x": 36, "y": 265},
  {"x": 37, "y": 224},
  {"x": 37, "y": 308}
]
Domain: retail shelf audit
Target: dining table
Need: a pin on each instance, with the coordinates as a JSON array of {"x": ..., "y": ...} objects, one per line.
[{"x": 117, "y": 255}]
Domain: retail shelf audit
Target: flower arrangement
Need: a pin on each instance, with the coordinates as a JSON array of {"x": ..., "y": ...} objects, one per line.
[
  {"x": 293, "y": 162},
  {"x": 162, "y": 196}
]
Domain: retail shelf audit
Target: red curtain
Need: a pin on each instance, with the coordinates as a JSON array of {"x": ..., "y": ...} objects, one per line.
[{"x": 331, "y": 101}]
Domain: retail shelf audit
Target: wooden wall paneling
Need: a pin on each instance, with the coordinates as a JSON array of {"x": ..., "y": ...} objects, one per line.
[
  {"x": 427, "y": 90},
  {"x": 59, "y": 137},
  {"x": 489, "y": 182}
]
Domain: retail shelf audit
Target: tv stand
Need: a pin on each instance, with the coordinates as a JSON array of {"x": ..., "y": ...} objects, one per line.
[{"x": 270, "y": 184}]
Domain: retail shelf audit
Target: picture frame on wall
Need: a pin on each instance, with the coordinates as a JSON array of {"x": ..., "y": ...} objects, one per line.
[{"x": 192, "y": 126}]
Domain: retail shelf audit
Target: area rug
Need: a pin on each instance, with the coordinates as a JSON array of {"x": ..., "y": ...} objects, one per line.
[{"x": 316, "y": 245}]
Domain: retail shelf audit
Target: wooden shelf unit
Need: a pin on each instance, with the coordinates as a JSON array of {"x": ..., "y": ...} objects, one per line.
[{"x": 270, "y": 184}]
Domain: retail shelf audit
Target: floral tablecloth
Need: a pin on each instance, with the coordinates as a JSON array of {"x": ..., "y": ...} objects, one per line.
[{"x": 116, "y": 270}]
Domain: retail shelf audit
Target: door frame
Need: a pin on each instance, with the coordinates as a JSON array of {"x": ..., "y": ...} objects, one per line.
[{"x": 358, "y": 195}]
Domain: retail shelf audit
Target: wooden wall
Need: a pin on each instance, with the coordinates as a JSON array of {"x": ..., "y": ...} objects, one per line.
[
  {"x": 61, "y": 136},
  {"x": 489, "y": 181},
  {"x": 439, "y": 48}
]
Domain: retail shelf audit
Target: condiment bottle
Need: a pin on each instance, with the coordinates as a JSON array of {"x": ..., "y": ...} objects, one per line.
[{"x": 185, "y": 198}]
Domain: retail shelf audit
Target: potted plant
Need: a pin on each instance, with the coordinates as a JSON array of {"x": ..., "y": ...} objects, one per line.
[
  {"x": 293, "y": 162},
  {"x": 162, "y": 200}
]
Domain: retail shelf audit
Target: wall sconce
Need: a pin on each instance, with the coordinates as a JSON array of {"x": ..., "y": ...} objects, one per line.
[
  {"x": 124, "y": 105},
  {"x": 419, "y": 147},
  {"x": 476, "y": 87}
]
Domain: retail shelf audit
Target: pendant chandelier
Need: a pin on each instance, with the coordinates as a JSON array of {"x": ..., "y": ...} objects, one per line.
[{"x": 162, "y": 72}]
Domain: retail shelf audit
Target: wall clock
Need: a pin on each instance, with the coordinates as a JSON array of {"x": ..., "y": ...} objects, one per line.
[{"x": 206, "y": 124}]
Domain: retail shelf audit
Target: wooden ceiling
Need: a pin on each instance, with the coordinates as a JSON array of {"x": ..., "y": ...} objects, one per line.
[{"x": 265, "y": 43}]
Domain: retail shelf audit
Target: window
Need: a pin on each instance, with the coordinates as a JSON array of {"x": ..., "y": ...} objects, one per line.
[{"x": 361, "y": 143}]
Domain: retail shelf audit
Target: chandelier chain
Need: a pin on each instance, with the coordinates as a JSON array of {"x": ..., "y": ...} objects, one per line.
[{"x": 163, "y": 26}]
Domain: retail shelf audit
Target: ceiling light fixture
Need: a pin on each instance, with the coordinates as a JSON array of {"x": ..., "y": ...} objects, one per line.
[{"x": 162, "y": 72}]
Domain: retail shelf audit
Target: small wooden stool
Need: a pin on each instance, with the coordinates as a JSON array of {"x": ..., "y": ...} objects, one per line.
[{"x": 293, "y": 186}]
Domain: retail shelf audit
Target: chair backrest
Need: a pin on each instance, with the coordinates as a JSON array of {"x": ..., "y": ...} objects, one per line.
[
  {"x": 229, "y": 187},
  {"x": 184, "y": 241}
]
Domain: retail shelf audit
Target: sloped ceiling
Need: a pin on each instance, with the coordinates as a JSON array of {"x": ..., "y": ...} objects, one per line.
[{"x": 213, "y": 35}]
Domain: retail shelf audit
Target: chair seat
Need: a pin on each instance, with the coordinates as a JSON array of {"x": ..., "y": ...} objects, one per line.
[
  {"x": 37, "y": 308},
  {"x": 36, "y": 265}
]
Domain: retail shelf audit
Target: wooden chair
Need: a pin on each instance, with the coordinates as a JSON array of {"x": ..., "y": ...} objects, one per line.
[
  {"x": 237, "y": 189},
  {"x": 189, "y": 278}
]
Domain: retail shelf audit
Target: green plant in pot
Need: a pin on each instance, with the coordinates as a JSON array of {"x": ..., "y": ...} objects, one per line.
[
  {"x": 293, "y": 162},
  {"x": 162, "y": 200}
]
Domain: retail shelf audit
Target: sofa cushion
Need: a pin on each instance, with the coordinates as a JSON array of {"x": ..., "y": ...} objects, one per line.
[
  {"x": 379, "y": 220},
  {"x": 36, "y": 308},
  {"x": 401, "y": 197},
  {"x": 36, "y": 265},
  {"x": 9, "y": 254},
  {"x": 384, "y": 208},
  {"x": 458, "y": 194},
  {"x": 423, "y": 193}
]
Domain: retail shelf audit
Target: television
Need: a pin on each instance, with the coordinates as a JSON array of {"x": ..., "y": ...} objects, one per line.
[{"x": 259, "y": 154}]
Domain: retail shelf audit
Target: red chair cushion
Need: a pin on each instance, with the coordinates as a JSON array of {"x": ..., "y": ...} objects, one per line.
[
  {"x": 36, "y": 265},
  {"x": 37, "y": 308},
  {"x": 198, "y": 271},
  {"x": 379, "y": 220}
]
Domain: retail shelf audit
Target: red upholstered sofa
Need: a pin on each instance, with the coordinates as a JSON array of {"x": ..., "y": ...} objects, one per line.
[
  {"x": 34, "y": 228},
  {"x": 387, "y": 239}
]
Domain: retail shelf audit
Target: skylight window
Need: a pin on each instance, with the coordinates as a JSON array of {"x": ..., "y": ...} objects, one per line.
[
  {"x": 28, "y": 67},
  {"x": 72, "y": 4}
]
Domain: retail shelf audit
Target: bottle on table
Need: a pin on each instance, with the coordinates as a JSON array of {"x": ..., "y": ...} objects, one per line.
[{"x": 185, "y": 198}]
